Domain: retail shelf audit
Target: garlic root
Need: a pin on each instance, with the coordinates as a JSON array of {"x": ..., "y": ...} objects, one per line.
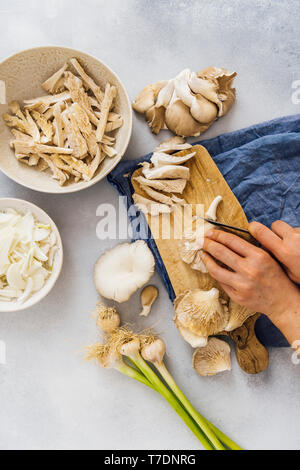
[{"x": 108, "y": 318}]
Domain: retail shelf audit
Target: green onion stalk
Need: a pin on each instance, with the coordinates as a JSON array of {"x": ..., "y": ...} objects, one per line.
[
  {"x": 153, "y": 350},
  {"x": 137, "y": 349},
  {"x": 114, "y": 360}
]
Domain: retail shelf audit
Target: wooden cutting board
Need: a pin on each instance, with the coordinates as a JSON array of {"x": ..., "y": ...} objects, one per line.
[{"x": 206, "y": 182}]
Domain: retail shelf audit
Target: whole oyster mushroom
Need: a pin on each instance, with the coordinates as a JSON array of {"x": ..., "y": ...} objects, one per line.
[
  {"x": 200, "y": 314},
  {"x": 189, "y": 103}
]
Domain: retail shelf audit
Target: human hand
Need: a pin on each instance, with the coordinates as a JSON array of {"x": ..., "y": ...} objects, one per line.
[
  {"x": 283, "y": 241},
  {"x": 254, "y": 279}
]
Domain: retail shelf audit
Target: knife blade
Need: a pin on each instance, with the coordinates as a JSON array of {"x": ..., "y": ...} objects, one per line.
[{"x": 230, "y": 227}]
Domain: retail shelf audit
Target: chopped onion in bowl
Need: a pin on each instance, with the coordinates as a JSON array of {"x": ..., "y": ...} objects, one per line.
[{"x": 27, "y": 253}]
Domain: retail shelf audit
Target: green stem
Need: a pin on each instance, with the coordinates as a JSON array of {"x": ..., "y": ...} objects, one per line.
[
  {"x": 169, "y": 397},
  {"x": 200, "y": 420},
  {"x": 134, "y": 374},
  {"x": 225, "y": 439}
]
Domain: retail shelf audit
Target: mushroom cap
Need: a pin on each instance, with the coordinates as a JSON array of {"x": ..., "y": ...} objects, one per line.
[
  {"x": 122, "y": 270},
  {"x": 200, "y": 312},
  {"x": 146, "y": 98},
  {"x": 237, "y": 315},
  {"x": 180, "y": 121},
  {"x": 213, "y": 358},
  {"x": 156, "y": 118}
]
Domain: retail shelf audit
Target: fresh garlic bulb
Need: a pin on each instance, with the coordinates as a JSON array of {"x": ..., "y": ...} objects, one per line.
[
  {"x": 199, "y": 314},
  {"x": 108, "y": 318},
  {"x": 213, "y": 358},
  {"x": 189, "y": 103}
]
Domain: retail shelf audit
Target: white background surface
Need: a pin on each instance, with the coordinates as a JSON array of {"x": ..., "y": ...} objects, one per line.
[{"x": 49, "y": 397}]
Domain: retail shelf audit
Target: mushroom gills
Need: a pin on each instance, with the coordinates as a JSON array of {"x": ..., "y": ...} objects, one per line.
[
  {"x": 200, "y": 313},
  {"x": 213, "y": 358}
]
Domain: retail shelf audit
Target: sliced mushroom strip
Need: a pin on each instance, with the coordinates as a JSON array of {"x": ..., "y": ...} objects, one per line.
[
  {"x": 50, "y": 85},
  {"x": 65, "y": 123},
  {"x": 149, "y": 207},
  {"x": 88, "y": 80},
  {"x": 173, "y": 144},
  {"x": 168, "y": 186},
  {"x": 47, "y": 100},
  {"x": 168, "y": 171},
  {"x": 162, "y": 159},
  {"x": 32, "y": 147},
  {"x": 107, "y": 103}
]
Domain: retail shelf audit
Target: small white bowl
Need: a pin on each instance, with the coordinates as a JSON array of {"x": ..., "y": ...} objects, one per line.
[
  {"x": 23, "y": 207},
  {"x": 21, "y": 76}
]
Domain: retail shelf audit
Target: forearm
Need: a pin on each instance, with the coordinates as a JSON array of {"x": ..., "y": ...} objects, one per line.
[{"x": 288, "y": 321}]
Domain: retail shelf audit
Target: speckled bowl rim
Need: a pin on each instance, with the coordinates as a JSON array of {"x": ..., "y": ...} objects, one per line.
[
  {"x": 100, "y": 177},
  {"x": 51, "y": 281}
]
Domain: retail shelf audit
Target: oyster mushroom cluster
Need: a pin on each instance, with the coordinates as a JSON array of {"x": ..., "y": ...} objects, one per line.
[
  {"x": 69, "y": 130},
  {"x": 164, "y": 179},
  {"x": 188, "y": 104},
  {"x": 200, "y": 314}
]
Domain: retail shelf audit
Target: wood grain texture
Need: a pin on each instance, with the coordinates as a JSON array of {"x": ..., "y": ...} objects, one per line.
[{"x": 205, "y": 183}]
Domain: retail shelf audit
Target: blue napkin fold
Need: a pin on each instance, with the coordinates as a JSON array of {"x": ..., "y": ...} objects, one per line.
[{"x": 261, "y": 164}]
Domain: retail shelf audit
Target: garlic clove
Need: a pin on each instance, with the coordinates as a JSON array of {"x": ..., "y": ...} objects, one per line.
[
  {"x": 146, "y": 98},
  {"x": 213, "y": 358},
  {"x": 148, "y": 296}
]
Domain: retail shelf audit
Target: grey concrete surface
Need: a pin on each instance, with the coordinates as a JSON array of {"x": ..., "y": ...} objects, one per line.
[{"x": 50, "y": 398}]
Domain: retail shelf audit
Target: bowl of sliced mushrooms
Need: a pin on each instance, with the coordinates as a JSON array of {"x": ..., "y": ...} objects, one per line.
[{"x": 66, "y": 119}]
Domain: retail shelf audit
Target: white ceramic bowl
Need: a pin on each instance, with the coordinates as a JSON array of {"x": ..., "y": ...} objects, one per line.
[
  {"x": 21, "y": 76},
  {"x": 23, "y": 207}
]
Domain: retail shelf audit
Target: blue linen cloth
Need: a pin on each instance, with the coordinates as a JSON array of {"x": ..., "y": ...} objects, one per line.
[{"x": 261, "y": 164}]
